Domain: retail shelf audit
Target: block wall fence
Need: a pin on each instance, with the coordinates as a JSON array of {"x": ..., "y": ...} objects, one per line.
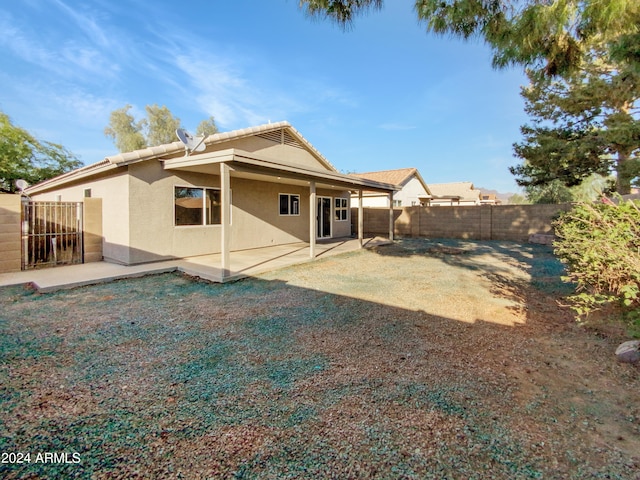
[
  {"x": 483, "y": 222},
  {"x": 10, "y": 233}
]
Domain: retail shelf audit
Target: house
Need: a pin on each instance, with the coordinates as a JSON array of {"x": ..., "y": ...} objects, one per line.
[
  {"x": 249, "y": 188},
  {"x": 456, "y": 193},
  {"x": 413, "y": 190},
  {"x": 489, "y": 199}
]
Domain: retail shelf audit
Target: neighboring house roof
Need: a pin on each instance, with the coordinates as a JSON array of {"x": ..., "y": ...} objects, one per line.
[
  {"x": 399, "y": 176},
  {"x": 280, "y": 132},
  {"x": 463, "y": 191},
  {"x": 490, "y": 199}
]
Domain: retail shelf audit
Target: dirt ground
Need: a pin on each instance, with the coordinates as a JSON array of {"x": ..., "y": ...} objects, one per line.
[{"x": 422, "y": 359}]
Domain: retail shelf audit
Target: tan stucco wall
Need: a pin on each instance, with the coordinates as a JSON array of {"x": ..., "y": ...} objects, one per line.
[
  {"x": 92, "y": 229},
  {"x": 138, "y": 208},
  {"x": 153, "y": 233},
  {"x": 10, "y": 233},
  {"x": 115, "y": 214},
  {"x": 255, "y": 218},
  {"x": 272, "y": 150}
]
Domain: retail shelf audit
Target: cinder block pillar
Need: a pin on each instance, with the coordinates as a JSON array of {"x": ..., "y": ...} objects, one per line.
[
  {"x": 486, "y": 222},
  {"x": 10, "y": 233}
]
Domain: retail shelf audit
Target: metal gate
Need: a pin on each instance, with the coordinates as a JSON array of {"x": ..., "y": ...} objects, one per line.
[{"x": 51, "y": 234}]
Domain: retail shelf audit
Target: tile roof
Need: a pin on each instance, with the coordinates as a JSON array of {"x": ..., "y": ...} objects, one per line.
[
  {"x": 395, "y": 177},
  {"x": 464, "y": 190},
  {"x": 176, "y": 147},
  {"x": 149, "y": 153}
]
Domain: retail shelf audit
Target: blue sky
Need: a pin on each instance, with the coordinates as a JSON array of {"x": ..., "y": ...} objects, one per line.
[{"x": 383, "y": 95}]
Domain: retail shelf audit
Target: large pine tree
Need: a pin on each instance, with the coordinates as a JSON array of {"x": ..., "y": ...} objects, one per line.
[{"x": 583, "y": 123}]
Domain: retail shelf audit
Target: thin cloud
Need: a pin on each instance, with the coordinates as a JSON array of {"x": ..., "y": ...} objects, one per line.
[
  {"x": 70, "y": 59},
  {"x": 220, "y": 89},
  {"x": 16, "y": 41},
  {"x": 87, "y": 24}
]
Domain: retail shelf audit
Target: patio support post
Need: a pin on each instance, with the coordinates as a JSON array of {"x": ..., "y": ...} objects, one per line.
[
  {"x": 391, "y": 216},
  {"x": 313, "y": 206},
  {"x": 360, "y": 219},
  {"x": 225, "y": 187}
]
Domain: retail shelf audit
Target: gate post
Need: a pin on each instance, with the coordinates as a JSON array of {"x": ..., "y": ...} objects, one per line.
[
  {"x": 10, "y": 233},
  {"x": 92, "y": 230}
]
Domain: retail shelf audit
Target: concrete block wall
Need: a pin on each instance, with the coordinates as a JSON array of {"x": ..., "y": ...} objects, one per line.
[
  {"x": 485, "y": 222},
  {"x": 10, "y": 233}
]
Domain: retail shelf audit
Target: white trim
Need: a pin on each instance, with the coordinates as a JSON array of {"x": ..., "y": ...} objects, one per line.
[
  {"x": 289, "y": 204},
  {"x": 341, "y": 208},
  {"x": 319, "y": 210}
]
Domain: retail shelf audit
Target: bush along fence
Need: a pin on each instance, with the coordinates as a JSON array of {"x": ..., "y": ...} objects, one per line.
[{"x": 484, "y": 222}]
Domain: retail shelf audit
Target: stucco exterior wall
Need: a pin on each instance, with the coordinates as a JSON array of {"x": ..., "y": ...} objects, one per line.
[
  {"x": 409, "y": 193},
  {"x": 273, "y": 150},
  {"x": 138, "y": 209},
  {"x": 255, "y": 218},
  {"x": 92, "y": 229},
  {"x": 381, "y": 200},
  {"x": 115, "y": 210}
]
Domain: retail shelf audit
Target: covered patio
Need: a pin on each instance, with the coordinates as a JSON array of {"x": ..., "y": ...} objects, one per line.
[
  {"x": 242, "y": 264},
  {"x": 236, "y": 163}
]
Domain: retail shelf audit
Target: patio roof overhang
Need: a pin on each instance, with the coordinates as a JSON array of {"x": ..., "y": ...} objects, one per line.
[{"x": 243, "y": 164}]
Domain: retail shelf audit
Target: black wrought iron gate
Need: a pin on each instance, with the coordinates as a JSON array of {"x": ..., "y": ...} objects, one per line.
[{"x": 51, "y": 234}]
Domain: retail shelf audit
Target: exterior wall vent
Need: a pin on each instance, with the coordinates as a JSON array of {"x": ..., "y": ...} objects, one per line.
[
  {"x": 275, "y": 136},
  {"x": 282, "y": 137}
]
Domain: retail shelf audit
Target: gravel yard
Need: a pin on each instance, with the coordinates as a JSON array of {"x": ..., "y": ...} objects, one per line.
[{"x": 420, "y": 360}]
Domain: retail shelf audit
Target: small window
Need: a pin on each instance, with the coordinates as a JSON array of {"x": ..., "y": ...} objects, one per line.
[
  {"x": 197, "y": 206},
  {"x": 397, "y": 203},
  {"x": 87, "y": 193},
  {"x": 289, "y": 204},
  {"x": 342, "y": 207}
]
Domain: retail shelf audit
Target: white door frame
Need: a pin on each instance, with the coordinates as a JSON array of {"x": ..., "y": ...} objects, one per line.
[{"x": 321, "y": 222}]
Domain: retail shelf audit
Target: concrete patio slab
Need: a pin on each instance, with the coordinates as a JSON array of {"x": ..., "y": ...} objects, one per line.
[{"x": 243, "y": 264}]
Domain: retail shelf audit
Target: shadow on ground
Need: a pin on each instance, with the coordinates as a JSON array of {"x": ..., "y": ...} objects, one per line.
[{"x": 280, "y": 377}]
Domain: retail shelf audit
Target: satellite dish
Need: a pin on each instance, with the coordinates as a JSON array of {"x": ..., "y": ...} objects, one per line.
[
  {"x": 193, "y": 144},
  {"x": 21, "y": 184}
]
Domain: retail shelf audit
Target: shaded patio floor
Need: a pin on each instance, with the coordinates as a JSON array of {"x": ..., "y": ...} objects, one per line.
[{"x": 244, "y": 263}]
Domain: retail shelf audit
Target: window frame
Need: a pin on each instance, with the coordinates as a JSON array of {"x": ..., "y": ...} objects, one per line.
[
  {"x": 339, "y": 210},
  {"x": 203, "y": 206},
  {"x": 290, "y": 197}
]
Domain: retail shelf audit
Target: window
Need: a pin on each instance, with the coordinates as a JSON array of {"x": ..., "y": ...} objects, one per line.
[
  {"x": 289, "y": 204},
  {"x": 197, "y": 206},
  {"x": 341, "y": 208},
  {"x": 87, "y": 193},
  {"x": 397, "y": 203}
]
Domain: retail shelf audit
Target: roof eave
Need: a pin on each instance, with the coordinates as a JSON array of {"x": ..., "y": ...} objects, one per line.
[{"x": 73, "y": 176}]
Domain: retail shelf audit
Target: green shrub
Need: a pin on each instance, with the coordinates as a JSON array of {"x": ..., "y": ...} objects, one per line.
[{"x": 600, "y": 246}]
